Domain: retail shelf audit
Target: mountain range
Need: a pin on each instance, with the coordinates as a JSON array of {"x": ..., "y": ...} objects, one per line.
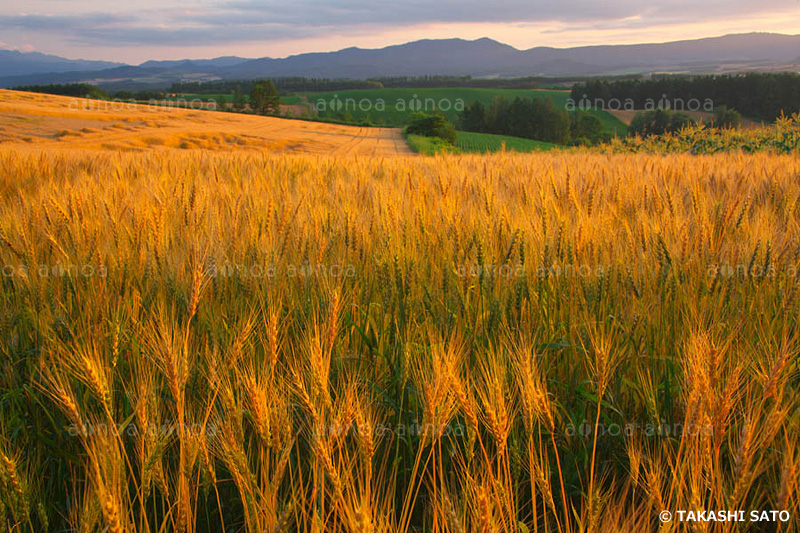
[
  {"x": 15, "y": 63},
  {"x": 452, "y": 57}
]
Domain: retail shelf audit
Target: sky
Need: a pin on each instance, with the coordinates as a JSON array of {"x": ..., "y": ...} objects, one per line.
[{"x": 133, "y": 32}]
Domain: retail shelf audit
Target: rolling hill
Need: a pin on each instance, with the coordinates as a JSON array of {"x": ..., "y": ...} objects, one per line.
[{"x": 39, "y": 122}]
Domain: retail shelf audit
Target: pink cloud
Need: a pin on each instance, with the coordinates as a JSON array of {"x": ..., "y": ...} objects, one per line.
[{"x": 20, "y": 48}]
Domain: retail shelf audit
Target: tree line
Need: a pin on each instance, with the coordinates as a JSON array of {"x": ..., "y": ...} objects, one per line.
[
  {"x": 86, "y": 90},
  {"x": 263, "y": 97},
  {"x": 527, "y": 82},
  {"x": 301, "y": 84},
  {"x": 284, "y": 85},
  {"x": 77, "y": 90},
  {"x": 760, "y": 95},
  {"x": 661, "y": 121},
  {"x": 532, "y": 118}
]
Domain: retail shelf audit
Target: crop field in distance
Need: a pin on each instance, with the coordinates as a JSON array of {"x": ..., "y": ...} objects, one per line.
[
  {"x": 45, "y": 122},
  {"x": 212, "y": 322},
  {"x": 487, "y": 142},
  {"x": 392, "y": 106}
]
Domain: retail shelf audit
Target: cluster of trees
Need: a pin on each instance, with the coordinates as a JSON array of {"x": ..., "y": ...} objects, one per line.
[
  {"x": 532, "y": 118},
  {"x": 760, "y": 95},
  {"x": 657, "y": 122},
  {"x": 431, "y": 125},
  {"x": 264, "y": 98},
  {"x": 725, "y": 117},
  {"x": 78, "y": 90},
  {"x": 661, "y": 121},
  {"x": 585, "y": 129},
  {"x": 139, "y": 96}
]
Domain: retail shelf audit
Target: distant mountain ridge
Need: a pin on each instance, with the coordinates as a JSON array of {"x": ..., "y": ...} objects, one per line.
[
  {"x": 195, "y": 64},
  {"x": 15, "y": 63},
  {"x": 451, "y": 57}
]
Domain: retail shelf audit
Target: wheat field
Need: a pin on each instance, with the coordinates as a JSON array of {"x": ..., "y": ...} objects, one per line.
[
  {"x": 37, "y": 122},
  {"x": 197, "y": 340}
]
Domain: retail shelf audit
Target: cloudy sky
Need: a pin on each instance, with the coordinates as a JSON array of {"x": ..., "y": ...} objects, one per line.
[{"x": 153, "y": 29}]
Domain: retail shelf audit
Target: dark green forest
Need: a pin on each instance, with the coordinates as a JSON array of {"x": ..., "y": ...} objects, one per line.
[
  {"x": 758, "y": 95},
  {"x": 532, "y": 118}
]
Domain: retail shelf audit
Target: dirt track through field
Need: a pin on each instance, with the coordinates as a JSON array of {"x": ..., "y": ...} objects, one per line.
[{"x": 36, "y": 121}]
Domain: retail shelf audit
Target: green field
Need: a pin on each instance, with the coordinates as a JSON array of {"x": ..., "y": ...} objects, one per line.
[
  {"x": 391, "y": 107},
  {"x": 480, "y": 143},
  {"x": 222, "y": 99},
  {"x": 430, "y": 145},
  {"x": 228, "y": 98},
  {"x": 487, "y": 142}
]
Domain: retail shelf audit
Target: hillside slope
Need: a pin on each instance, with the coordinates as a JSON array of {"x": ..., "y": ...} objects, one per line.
[{"x": 38, "y": 121}]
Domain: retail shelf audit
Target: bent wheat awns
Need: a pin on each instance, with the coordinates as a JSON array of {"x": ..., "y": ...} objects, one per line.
[{"x": 550, "y": 342}]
